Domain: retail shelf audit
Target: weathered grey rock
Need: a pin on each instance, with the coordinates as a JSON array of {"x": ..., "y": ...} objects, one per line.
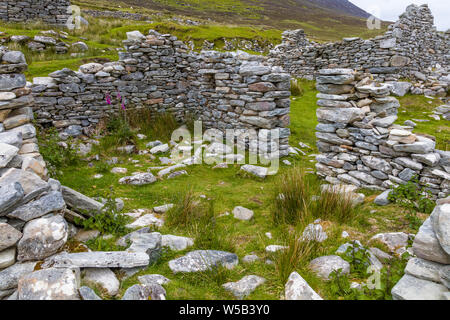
[
  {"x": 7, "y": 257},
  {"x": 245, "y": 286},
  {"x": 202, "y": 260},
  {"x": 400, "y": 89},
  {"x": 163, "y": 208},
  {"x": 51, "y": 202},
  {"x": 7, "y": 152},
  {"x": 139, "y": 179},
  {"x": 87, "y": 293},
  {"x": 297, "y": 288},
  {"x": 257, "y": 171},
  {"x": 339, "y": 115},
  {"x": 424, "y": 269},
  {"x": 176, "y": 243},
  {"x": 42, "y": 238},
  {"x": 314, "y": 232},
  {"x": 31, "y": 183},
  {"x": 98, "y": 259},
  {"x": 150, "y": 243},
  {"x": 103, "y": 277},
  {"x": 242, "y": 213},
  {"x": 426, "y": 245},
  {"x": 9, "y": 82},
  {"x": 10, "y": 195},
  {"x": 440, "y": 219},
  {"x": 393, "y": 240},
  {"x": 50, "y": 284},
  {"x": 382, "y": 199},
  {"x": 324, "y": 266},
  {"x": 10, "y": 276},
  {"x": 250, "y": 258},
  {"x": 411, "y": 288},
  {"x": 151, "y": 291},
  {"x": 146, "y": 220},
  {"x": 153, "y": 278},
  {"x": 81, "y": 203}
]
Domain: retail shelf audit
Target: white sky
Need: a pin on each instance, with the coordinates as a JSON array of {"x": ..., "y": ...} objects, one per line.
[{"x": 389, "y": 10}]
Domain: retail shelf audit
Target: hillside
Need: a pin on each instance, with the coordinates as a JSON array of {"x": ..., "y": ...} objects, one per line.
[{"x": 323, "y": 20}]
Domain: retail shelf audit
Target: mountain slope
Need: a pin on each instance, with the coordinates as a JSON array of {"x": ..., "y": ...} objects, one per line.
[{"x": 322, "y": 20}]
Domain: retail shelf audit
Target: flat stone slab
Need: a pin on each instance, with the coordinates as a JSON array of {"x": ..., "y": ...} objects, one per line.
[
  {"x": 81, "y": 203},
  {"x": 51, "y": 202},
  {"x": 139, "y": 179},
  {"x": 202, "y": 260},
  {"x": 297, "y": 288},
  {"x": 245, "y": 286},
  {"x": 424, "y": 269},
  {"x": 50, "y": 284},
  {"x": 412, "y": 288},
  {"x": 99, "y": 259}
]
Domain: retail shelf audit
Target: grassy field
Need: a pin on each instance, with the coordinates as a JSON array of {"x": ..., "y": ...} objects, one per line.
[{"x": 226, "y": 188}]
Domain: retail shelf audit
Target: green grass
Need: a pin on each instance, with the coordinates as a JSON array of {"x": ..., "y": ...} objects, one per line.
[
  {"x": 419, "y": 107},
  {"x": 223, "y": 190}
]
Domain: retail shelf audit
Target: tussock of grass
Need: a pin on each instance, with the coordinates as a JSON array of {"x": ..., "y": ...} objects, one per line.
[
  {"x": 297, "y": 254},
  {"x": 153, "y": 124},
  {"x": 335, "y": 206},
  {"x": 292, "y": 198}
]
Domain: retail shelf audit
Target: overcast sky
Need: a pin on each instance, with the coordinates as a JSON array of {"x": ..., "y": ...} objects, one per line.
[{"x": 389, "y": 10}]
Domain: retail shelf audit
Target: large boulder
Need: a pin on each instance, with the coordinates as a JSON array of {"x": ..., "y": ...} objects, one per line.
[
  {"x": 42, "y": 238},
  {"x": 50, "y": 284}
]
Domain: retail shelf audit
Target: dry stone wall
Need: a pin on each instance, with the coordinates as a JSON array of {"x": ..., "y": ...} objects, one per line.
[
  {"x": 411, "y": 48},
  {"x": 226, "y": 90},
  {"x": 360, "y": 144},
  {"x": 48, "y": 11}
]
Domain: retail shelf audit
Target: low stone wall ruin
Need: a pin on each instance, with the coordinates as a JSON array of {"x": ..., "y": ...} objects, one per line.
[
  {"x": 411, "y": 48},
  {"x": 226, "y": 90},
  {"x": 360, "y": 144},
  {"x": 49, "y": 11}
]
